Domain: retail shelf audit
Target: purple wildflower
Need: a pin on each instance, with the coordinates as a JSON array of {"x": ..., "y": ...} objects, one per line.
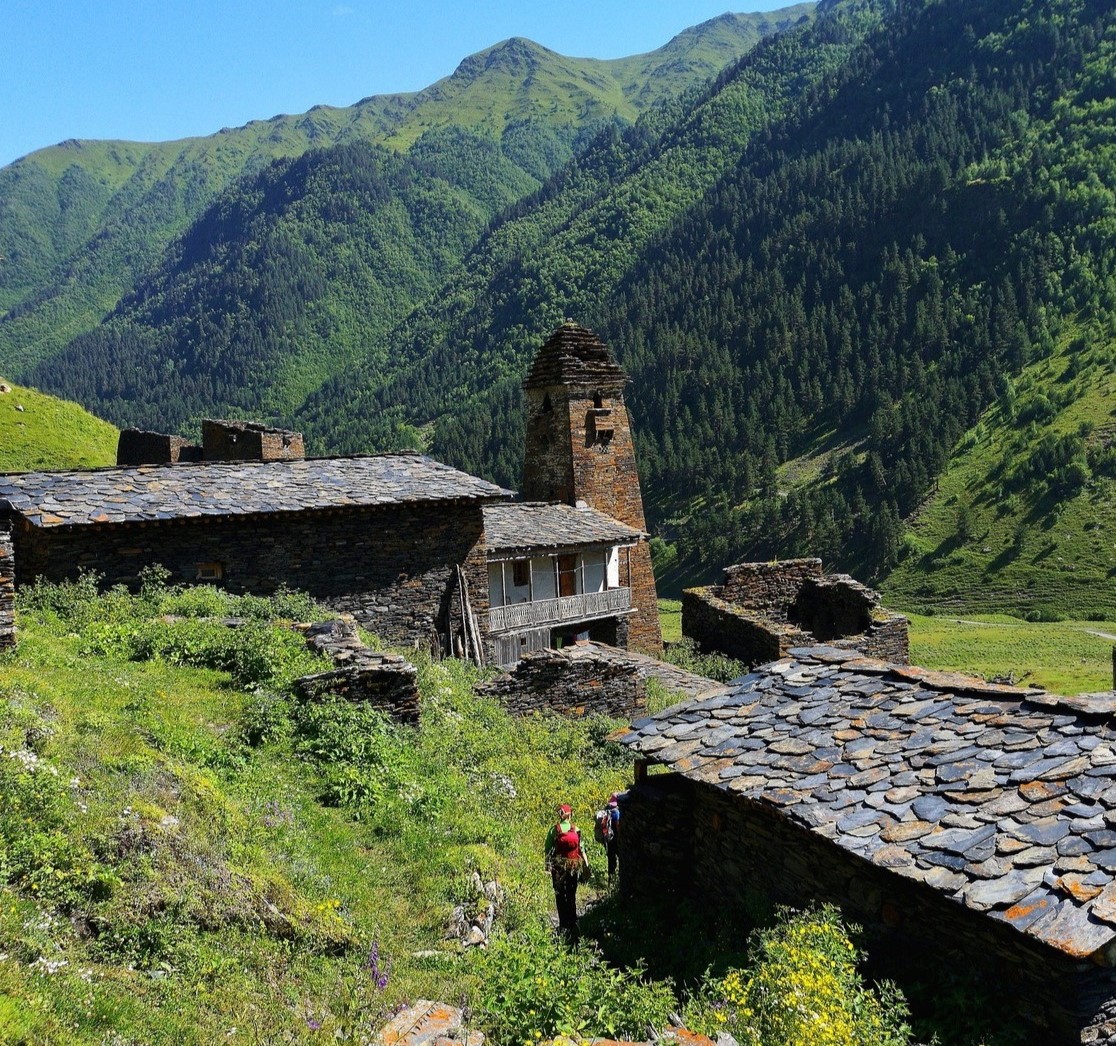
[
  {"x": 379, "y": 975},
  {"x": 313, "y": 1024}
]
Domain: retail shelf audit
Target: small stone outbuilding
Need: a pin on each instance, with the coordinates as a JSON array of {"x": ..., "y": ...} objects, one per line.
[
  {"x": 761, "y": 610},
  {"x": 965, "y": 823}
]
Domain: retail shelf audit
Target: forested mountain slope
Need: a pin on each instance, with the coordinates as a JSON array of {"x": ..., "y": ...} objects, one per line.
[
  {"x": 812, "y": 335},
  {"x": 81, "y": 222}
]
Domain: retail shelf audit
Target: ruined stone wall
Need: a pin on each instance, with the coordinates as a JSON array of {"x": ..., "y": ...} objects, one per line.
[
  {"x": 391, "y": 567},
  {"x": 716, "y": 625},
  {"x": 738, "y": 852},
  {"x": 138, "y": 447},
  {"x": 385, "y": 681},
  {"x": 768, "y": 589},
  {"x": 7, "y": 591},
  {"x": 765, "y": 609},
  {"x": 553, "y": 681},
  {"x": 247, "y": 441},
  {"x": 840, "y": 611},
  {"x": 887, "y": 639}
]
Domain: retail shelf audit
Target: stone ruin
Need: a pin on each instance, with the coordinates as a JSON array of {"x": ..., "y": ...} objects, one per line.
[
  {"x": 221, "y": 441},
  {"x": 589, "y": 679},
  {"x": 470, "y": 924},
  {"x": 385, "y": 681},
  {"x": 761, "y": 610},
  {"x": 574, "y": 681}
]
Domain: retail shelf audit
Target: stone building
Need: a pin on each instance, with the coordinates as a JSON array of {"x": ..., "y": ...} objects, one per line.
[
  {"x": 580, "y": 451},
  {"x": 557, "y": 573},
  {"x": 416, "y": 551},
  {"x": 963, "y": 823},
  {"x": 761, "y": 610},
  {"x": 380, "y": 537}
]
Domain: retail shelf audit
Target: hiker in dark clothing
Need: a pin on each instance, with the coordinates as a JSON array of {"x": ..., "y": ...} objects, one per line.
[
  {"x": 612, "y": 808},
  {"x": 564, "y": 859}
]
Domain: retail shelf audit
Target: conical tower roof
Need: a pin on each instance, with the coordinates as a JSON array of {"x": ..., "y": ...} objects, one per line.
[{"x": 574, "y": 355}]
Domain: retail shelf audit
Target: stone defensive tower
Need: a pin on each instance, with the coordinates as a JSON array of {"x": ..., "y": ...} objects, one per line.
[{"x": 579, "y": 448}]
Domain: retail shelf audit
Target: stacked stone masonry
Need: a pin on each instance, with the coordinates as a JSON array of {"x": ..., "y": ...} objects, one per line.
[
  {"x": 961, "y": 820},
  {"x": 7, "y": 592},
  {"x": 579, "y": 448},
  {"x": 246, "y": 441},
  {"x": 392, "y": 568},
  {"x": 385, "y": 681},
  {"x": 138, "y": 447},
  {"x": 570, "y": 683},
  {"x": 764, "y": 609}
]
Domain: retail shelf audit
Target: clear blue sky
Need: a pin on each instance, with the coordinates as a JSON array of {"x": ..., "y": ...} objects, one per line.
[{"x": 158, "y": 69}]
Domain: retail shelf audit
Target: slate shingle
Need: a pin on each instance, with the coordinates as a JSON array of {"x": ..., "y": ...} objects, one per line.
[
  {"x": 1002, "y": 798},
  {"x": 219, "y": 488}
]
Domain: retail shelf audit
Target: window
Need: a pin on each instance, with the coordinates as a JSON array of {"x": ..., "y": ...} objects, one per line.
[
  {"x": 209, "y": 572},
  {"x": 521, "y": 572}
]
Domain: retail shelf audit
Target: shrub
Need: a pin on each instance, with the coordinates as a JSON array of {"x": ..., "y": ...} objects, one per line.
[
  {"x": 803, "y": 989},
  {"x": 685, "y": 654},
  {"x": 533, "y": 987}
]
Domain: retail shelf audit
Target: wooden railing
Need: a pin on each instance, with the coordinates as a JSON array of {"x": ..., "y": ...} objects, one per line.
[{"x": 560, "y": 610}]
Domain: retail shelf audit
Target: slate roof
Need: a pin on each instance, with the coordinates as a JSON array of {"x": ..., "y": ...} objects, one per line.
[
  {"x": 528, "y": 526},
  {"x": 162, "y": 492},
  {"x": 575, "y": 355},
  {"x": 1001, "y": 798}
]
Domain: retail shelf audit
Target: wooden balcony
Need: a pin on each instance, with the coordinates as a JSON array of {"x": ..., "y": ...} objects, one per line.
[{"x": 560, "y": 611}]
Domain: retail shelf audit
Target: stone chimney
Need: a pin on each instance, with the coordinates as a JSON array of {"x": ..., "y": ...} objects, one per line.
[
  {"x": 247, "y": 441},
  {"x": 137, "y": 447}
]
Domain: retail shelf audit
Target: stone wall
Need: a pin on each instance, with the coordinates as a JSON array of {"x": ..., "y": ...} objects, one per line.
[
  {"x": 690, "y": 839},
  {"x": 393, "y": 568},
  {"x": 764, "y": 609},
  {"x": 248, "y": 441},
  {"x": 7, "y": 592},
  {"x": 768, "y": 589},
  {"x": 385, "y": 681},
  {"x": 138, "y": 447},
  {"x": 575, "y": 682},
  {"x": 716, "y": 625}
]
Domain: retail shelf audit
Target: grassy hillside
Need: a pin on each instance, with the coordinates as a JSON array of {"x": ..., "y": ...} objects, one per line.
[
  {"x": 41, "y": 432},
  {"x": 82, "y": 221},
  {"x": 210, "y": 861},
  {"x": 1021, "y": 519}
]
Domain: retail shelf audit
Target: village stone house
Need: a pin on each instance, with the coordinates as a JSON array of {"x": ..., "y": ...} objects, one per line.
[
  {"x": 416, "y": 551},
  {"x": 964, "y": 824}
]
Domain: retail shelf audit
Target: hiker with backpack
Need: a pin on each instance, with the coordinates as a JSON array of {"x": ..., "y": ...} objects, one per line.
[
  {"x": 567, "y": 864},
  {"x": 605, "y": 829}
]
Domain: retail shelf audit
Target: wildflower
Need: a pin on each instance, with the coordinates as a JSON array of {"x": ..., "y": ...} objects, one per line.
[{"x": 379, "y": 976}]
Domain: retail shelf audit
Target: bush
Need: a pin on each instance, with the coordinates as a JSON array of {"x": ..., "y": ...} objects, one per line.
[
  {"x": 533, "y": 987},
  {"x": 685, "y": 654},
  {"x": 803, "y": 989},
  {"x": 255, "y": 654}
]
